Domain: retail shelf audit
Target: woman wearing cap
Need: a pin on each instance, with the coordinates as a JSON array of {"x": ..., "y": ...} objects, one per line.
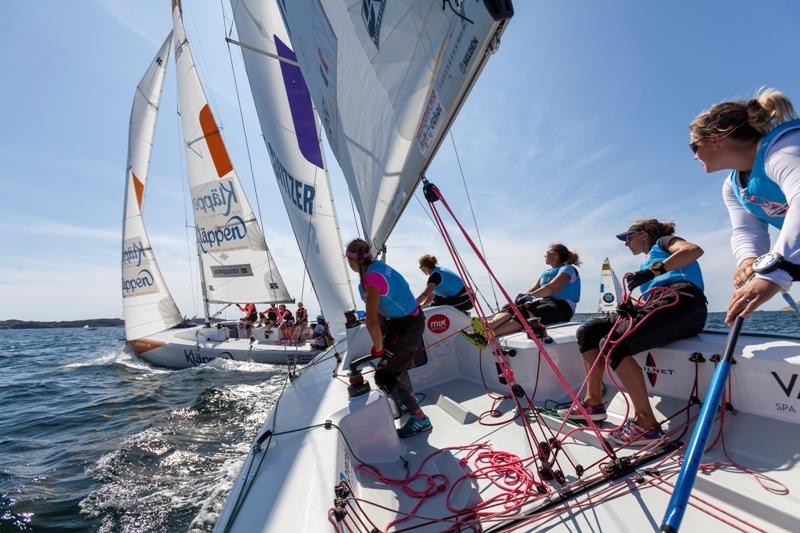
[
  {"x": 388, "y": 297},
  {"x": 669, "y": 315},
  {"x": 759, "y": 141},
  {"x": 552, "y": 298},
  {"x": 444, "y": 286}
]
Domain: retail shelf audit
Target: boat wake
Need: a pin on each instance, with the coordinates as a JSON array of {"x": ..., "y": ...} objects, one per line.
[{"x": 175, "y": 473}]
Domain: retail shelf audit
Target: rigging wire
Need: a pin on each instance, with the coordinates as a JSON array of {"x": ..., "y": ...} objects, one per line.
[
  {"x": 474, "y": 220},
  {"x": 228, "y": 33},
  {"x": 469, "y": 275},
  {"x": 186, "y": 225}
]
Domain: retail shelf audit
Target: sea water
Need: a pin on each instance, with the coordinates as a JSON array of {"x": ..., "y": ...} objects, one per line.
[{"x": 92, "y": 438}]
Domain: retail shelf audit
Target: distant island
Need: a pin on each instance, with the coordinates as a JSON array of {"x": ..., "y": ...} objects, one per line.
[{"x": 35, "y": 324}]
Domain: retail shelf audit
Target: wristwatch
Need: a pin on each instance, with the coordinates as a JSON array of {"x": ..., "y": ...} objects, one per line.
[
  {"x": 772, "y": 261},
  {"x": 658, "y": 268}
]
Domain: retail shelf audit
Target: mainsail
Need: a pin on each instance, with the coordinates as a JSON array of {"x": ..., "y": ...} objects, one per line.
[
  {"x": 291, "y": 135},
  {"x": 236, "y": 263},
  {"x": 610, "y": 290},
  {"x": 388, "y": 78},
  {"x": 147, "y": 304}
]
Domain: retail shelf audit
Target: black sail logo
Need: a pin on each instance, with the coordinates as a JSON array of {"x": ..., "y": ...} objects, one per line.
[{"x": 372, "y": 15}]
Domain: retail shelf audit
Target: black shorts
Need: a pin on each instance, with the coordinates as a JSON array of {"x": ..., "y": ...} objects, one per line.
[
  {"x": 547, "y": 310},
  {"x": 252, "y": 318},
  {"x": 684, "y": 319},
  {"x": 460, "y": 301},
  {"x": 403, "y": 338}
]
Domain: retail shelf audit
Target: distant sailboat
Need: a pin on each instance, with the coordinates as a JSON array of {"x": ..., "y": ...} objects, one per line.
[
  {"x": 610, "y": 289},
  {"x": 236, "y": 266},
  {"x": 87, "y": 327}
]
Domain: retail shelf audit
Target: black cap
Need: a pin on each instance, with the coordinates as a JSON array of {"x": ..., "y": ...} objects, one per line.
[{"x": 635, "y": 228}]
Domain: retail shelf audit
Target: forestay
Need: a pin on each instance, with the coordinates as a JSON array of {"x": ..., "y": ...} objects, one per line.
[
  {"x": 237, "y": 266},
  {"x": 147, "y": 304},
  {"x": 291, "y": 136},
  {"x": 387, "y": 79}
]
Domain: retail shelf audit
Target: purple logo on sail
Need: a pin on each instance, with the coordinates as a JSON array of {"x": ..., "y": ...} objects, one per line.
[{"x": 300, "y": 105}]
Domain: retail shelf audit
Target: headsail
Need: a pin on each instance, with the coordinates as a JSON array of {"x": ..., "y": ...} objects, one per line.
[
  {"x": 291, "y": 135},
  {"x": 148, "y": 306},
  {"x": 237, "y": 265},
  {"x": 388, "y": 78},
  {"x": 610, "y": 289}
]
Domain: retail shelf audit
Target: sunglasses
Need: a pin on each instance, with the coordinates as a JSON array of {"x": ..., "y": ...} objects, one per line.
[{"x": 694, "y": 146}]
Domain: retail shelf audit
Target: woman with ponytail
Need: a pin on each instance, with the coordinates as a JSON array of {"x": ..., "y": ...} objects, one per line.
[
  {"x": 674, "y": 307},
  {"x": 389, "y": 300},
  {"x": 758, "y": 140},
  {"x": 552, "y": 298}
]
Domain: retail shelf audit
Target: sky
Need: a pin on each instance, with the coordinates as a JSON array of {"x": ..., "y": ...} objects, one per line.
[{"x": 577, "y": 127}]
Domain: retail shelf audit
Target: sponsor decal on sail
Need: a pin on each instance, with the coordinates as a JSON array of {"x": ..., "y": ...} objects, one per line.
[
  {"x": 218, "y": 214},
  {"x": 300, "y": 194},
  {"x": 137, "y": 278},
  {"x": 431, "y": 123},
  {"x": 372, "y": 15},
  {"x": 231, "y": 271}
]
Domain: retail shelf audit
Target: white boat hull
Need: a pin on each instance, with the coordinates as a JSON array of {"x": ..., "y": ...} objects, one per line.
[
  {"x": 188, "y": 347},
  {"x": 287, "y": 481}
]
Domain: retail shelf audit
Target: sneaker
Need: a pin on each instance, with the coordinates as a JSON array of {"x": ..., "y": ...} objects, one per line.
[
  {"x": 477, "y": 325},
  {"x": 413, "y": 426},
  {"x": 476, "y": 338},
  {"x": 633, "y": 434},
  {"x": 596, "y": 412}
]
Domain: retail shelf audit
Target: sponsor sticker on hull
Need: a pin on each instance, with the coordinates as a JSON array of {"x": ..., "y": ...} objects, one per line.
[{"x": 438, "y": 323}]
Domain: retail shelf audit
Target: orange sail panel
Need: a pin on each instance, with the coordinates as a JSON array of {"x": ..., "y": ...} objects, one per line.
[{"x": 214, "y": 141}]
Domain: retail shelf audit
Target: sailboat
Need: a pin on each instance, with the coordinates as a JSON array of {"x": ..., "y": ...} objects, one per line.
[
  {"x": 235, "y": 263},
  {"x": 610, "y": 289},
  {"x": 387, "y": 78}
]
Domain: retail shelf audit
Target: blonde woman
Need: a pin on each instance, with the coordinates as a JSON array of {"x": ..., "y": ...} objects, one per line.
[{"x": 758, "y": 140}]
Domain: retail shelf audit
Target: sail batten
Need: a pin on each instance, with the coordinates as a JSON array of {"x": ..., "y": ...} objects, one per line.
[
  {"x": 236, "y": 262},
  {"x": 291, "y": 135},
  {"x": 148, "y": 306}
]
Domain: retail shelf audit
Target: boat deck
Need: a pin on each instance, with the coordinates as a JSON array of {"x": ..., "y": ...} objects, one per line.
[{"x": 726, "y": 496}]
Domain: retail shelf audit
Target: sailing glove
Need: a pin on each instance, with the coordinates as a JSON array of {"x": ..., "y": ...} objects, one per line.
[{"x": 634, "y": 279}]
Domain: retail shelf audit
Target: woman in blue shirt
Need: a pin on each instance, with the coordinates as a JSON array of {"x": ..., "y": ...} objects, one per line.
[
  {"x": 552, "y": 298},
  {"x": 444, "y": 286},
  {"x": 666, "y": 316},
  {"x": 389, "y": 302}
]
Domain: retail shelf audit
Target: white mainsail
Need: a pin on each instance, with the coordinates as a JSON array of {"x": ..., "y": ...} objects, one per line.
[
  {"x": 237, "y": 266},
  {"x": 291, "y": 136},
  {"x": 147, "y": 305},
  {"x": 388, "y": 78},
  {"x": 610, "y": 289}
]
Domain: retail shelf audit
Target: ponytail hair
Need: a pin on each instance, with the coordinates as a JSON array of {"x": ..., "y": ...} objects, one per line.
[
  {"x": 359, "y": 250},
  {"x": 654, "y": 228},
  {"x": 744, "y": 120},
  {"x": 428, "y": 261},
  {"x": 565, "y": 255}
]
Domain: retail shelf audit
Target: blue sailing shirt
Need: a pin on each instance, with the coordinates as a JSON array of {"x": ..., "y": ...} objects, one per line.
[
  {"x": 571, "y": 292},
  {"x": 762, "y": 197},
  {"x": 449, "y": 285},
  {"x": 397, "y": 300},
  {"x": 690, "y": 273}
]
